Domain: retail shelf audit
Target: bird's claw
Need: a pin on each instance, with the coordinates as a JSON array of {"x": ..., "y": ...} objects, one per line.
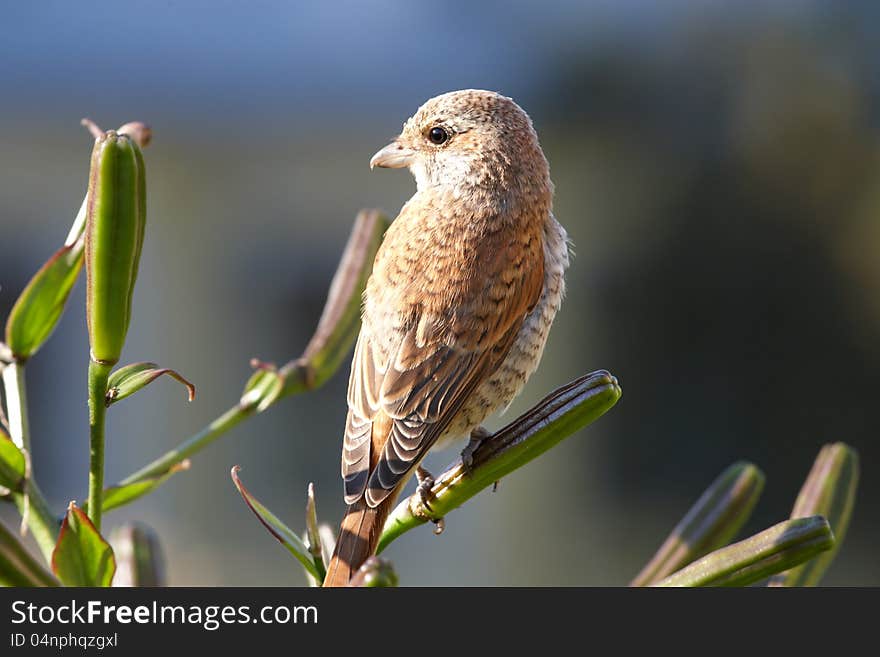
[
  {"x": 478, "y": 435},
  {"x": 426, "y": 483}
]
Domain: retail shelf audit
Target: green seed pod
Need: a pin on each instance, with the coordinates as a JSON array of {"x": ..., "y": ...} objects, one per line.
[
  {"x": 39, "y": 307},
  {"x": 115, "y": 221}
]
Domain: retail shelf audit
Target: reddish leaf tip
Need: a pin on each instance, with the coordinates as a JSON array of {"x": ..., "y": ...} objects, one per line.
[
  {"x": 190, "y": 388},
  {"x": 77, "y": 522}
]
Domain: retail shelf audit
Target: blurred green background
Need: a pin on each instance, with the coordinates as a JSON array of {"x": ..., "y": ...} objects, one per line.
[{"x": 717, "y": 166}]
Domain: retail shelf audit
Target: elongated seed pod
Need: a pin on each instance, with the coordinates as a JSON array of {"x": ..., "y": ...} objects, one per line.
[{"x": 115, "y": 222}]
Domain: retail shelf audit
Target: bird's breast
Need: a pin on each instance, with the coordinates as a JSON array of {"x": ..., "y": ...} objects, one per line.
[
  {"x": 464, "y": 269},
  {"x": 524, "y": 356}
]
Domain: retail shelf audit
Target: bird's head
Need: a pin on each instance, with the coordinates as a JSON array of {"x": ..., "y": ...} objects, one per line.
[{"x": 467, "y": 139}]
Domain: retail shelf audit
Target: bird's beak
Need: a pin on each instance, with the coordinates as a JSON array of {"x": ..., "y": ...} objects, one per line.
[{"x": 393, "y": 156}]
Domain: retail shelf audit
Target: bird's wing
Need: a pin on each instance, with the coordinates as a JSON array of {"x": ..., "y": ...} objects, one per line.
[{"x": 405, "y": 389}]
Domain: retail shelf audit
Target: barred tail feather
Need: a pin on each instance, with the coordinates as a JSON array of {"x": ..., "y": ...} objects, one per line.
[{"x": 357, "y": 541}]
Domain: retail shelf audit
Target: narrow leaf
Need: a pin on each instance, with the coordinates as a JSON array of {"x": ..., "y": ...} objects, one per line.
[
  {"x": 275, "y": 527},
  {"x": 830, "y": 491},
  {"x": 774, "y": 550},
  {"x": 312, "y": 533},
  {"x": 127, "y": 380},
  {"x": 39, "y": 307},
  {"x": 711, "y": 523},
  {"x": 82, "y": 557},
  {"x": 12, "y": 464},
  {"x": 17, "y": 566}
]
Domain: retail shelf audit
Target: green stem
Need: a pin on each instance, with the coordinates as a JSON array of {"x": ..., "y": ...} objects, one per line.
[
  {"x": 98, "y": 375},
  {"x": 31, "y": 503},
  {"x": 17, "y": 566},
  {"x": 42, "y": 524},
  {"x": 192, "y": 445},
  {"x": 16, "y": 405},
  {"x": 557, "y": 416}
]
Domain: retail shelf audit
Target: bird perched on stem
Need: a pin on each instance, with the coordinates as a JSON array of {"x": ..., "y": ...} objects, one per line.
[{"x": 457, "y": 309}]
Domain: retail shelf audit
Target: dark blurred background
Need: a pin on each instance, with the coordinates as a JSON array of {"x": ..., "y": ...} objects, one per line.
[{"x": 717, "y": 166}]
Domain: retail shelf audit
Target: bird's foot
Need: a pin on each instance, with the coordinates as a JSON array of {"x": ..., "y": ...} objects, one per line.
[
  {"x": 426, "y": 482},
  {"x": 478, "y": 435}
]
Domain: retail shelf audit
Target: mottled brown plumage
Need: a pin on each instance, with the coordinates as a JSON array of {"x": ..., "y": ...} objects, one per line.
[{"x": 456, "y": 312}]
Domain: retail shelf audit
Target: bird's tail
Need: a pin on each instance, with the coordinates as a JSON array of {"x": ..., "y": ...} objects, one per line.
[{"x": 357, "y": 541}]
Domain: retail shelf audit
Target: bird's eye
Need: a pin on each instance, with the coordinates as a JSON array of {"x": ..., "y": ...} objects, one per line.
[{"x": 438, "y": 135}]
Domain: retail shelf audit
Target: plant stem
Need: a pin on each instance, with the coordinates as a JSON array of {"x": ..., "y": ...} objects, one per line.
[
  {"x": 557, "y": 416},
  {"x": 99, "y": 373},
  {"x": 42, "y": 524},
  {"x": 18, "y": 567},
  {"x": 16, "y": 405},
  {"x": 191, "y": 445},
  {"x": 31, "y": 504}
]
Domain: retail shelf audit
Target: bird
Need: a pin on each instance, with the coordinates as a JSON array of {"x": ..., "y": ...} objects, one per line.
[{"x": 457, "y": 308}]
